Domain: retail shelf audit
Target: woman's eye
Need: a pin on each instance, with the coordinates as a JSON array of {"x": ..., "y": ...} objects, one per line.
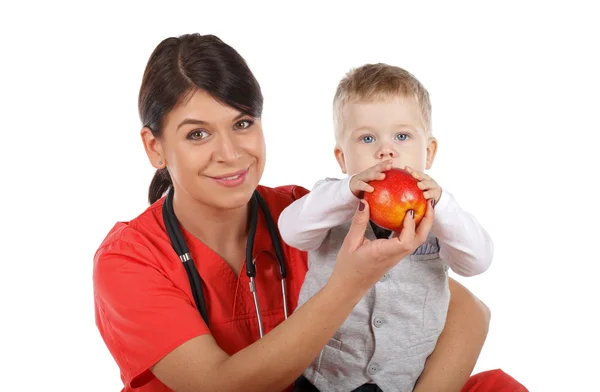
[
  {"x": 368, "y": 139},
  {"x": 401, "y": 136},
  {"x": 198, "y": 135},
  {"x": 243, "y": 124}
]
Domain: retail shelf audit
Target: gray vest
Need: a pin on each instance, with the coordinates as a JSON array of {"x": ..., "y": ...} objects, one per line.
[{"x": 391, "y": 331}]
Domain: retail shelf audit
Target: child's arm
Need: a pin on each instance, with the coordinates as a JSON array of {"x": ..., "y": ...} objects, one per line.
[
  {"x": 304, "y": 224},
  {"x": 465, "y": 245}
]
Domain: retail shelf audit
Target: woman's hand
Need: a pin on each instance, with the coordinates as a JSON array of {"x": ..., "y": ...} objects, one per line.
[{"x": 361, "y": 262}]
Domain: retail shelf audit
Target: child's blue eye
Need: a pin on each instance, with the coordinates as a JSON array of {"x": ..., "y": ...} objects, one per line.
[
  {"x": 368, "y": 139},
  {"x": 402, "y": 136}
]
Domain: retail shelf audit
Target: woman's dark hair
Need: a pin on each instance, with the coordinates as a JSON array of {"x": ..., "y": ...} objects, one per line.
[{"x": 181, "y": 65}]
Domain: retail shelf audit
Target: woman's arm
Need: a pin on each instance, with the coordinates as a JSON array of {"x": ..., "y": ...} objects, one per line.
[
  {"x": 276, "y": 360},
  {"x": 449, "y": 366},
  {"x": 270, "y": 364}
]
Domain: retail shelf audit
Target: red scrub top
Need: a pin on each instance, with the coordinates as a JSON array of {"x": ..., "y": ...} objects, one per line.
[{"x": 143, "y": 302}]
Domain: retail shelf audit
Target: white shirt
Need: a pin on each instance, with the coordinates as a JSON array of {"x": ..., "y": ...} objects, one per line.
[{"x": 465, "y": 246}]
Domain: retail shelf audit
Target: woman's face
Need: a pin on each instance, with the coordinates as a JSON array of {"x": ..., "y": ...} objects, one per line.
[{"x": 214, "y": 154}]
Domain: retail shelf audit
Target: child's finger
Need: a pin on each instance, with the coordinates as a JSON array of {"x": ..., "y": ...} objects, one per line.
[
  {"x": 374, "y": 175},
  {"x": 423, "y": 176},
  {"x": 363, "y": 186},
  {"x": 377, "y": 172},
  {"x": 430, "y": 194},
  {"x": 413, "y": 172},
  {"x": 383, "y": 166},
  {"x": 427, "y": 184}
]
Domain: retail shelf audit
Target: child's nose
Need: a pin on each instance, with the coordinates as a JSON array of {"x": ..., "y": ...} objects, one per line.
[{"x": 386, "y": 153}]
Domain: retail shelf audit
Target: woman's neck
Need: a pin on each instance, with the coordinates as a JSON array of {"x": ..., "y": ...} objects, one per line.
[{"x": 223, "y": 230}]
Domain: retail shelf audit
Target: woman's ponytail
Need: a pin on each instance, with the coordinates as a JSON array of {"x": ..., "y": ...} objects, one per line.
[{"x": 159, "y": 185}]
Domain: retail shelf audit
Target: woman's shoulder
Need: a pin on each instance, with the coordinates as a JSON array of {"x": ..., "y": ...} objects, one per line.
[
  {"x": 134, "y": 231},
  {"x": 131, "y": 252},
  {"x": 140, "y": 236}
]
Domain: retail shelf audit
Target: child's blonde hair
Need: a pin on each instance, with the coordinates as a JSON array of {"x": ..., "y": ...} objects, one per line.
[{"x": 373, "y": 82}]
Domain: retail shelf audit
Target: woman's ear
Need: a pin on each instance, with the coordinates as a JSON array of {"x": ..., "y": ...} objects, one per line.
[
  {"x": 431, "y": 151},
  {"x": 153, "y": 149},
  {"x": 339, "y": 156}
]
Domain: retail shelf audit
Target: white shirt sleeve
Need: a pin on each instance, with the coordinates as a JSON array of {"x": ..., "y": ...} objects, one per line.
[
  {"x": 304, "y": 224},
  {"x": 465, "y": 245}
]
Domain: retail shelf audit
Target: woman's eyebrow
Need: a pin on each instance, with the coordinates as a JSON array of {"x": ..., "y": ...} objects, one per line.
[
  {"x": 191, "y": 121},
  {"x": 202, "y": 122}
]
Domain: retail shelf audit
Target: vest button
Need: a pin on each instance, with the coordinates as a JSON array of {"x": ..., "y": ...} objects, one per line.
[
  {"x": 378, "y": 322},
  {"x": 374, "y": 368}
]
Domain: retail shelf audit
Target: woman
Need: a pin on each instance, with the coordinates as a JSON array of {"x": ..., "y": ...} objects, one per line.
[{"x": 201, "y": 109}]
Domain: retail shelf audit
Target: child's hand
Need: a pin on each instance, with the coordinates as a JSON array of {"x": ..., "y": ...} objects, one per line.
[
  {"x": 430, "y": 188},
  {"x": 359, "y": 182}
]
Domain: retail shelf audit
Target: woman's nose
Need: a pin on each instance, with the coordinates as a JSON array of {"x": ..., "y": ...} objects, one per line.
[{"x": 228, "y": 148}]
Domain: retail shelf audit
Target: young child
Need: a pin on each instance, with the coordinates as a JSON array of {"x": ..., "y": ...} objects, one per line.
[{"x": 382, "y": 119}]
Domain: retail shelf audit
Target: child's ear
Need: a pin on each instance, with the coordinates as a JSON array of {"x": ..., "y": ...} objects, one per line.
[
  {"x": 431, "y": 151},
  {"x": 339, "y": 156}
]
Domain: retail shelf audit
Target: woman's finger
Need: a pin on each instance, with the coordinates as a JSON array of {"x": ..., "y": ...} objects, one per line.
[
  {"x": 400, "y": 246},
  {"x": 356, "y": 234},
  {"x": 425, "y": 224},
  {"x": 408, "y": 227}
]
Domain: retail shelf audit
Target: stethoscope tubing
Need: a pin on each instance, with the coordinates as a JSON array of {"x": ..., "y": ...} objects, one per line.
[{"x": 180, "y": 247}]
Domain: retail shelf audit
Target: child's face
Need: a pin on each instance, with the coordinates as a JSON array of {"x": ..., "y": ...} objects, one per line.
[{"x": 381, "y": 130}]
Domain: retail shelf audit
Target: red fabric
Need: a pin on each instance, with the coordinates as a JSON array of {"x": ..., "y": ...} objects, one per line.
[
  {"x": 493, "y": 381},
  {"x": 143, "y": 302},
  {"x": 144, "y": 306}
]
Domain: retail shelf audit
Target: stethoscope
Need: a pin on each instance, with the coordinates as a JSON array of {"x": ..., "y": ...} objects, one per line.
[{"x": 180, "y": 247}]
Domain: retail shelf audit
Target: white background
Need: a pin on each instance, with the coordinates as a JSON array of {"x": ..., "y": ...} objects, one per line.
[{"x": 515, "y": 93}]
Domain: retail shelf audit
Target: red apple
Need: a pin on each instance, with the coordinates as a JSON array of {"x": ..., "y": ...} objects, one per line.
[{"x": 393, "y": 197}]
